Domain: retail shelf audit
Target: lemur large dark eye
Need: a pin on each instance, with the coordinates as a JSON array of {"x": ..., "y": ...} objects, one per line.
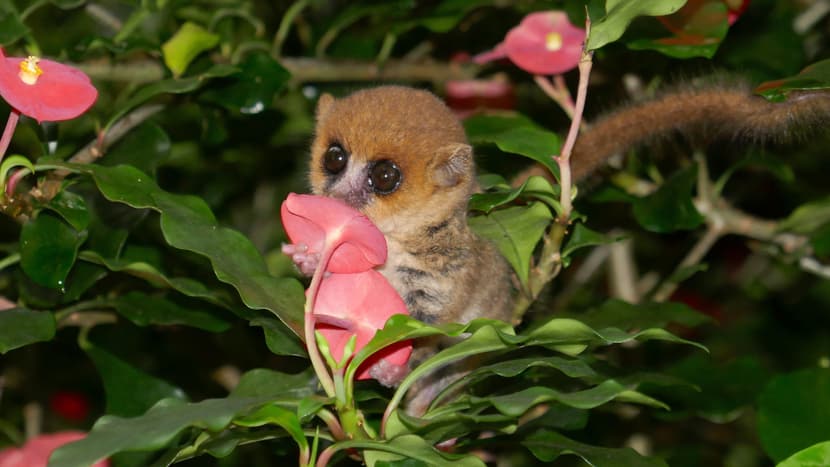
[
  {"x": 335, "y": 159},
  {"x": 384, "y": 177}
]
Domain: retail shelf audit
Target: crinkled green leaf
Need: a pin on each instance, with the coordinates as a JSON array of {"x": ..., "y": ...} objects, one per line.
[
  {"x": 812, "y": 78},
  {"x": 534, "y": 188},
  {"x": 519, "y": 402},
  {"x": 794, "y": 412},
  {"x": 276, "y": 385},
  {"x": 188, "y": 42},
  {"x": 20, "y": 327},
  {"x": 670, "y": 208},
  {"x": 121, "y": 380},
  {"x": 817, "y": 455},
  {"x": 619, "y": 13},
  {"x": 380, "y": 453},
  {"x": 515, "y": 231},
  {"x": 153, "y": 430},
  {"x": 276, "y": 415},
  {"x": 187, "y": 223},
  {"x": 548, "y": 445},
  {"x": 48, "y": 248},
  {"x": 143, "y": 309}
]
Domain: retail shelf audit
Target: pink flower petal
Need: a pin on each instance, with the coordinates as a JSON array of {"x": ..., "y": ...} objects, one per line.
[
  {"x": 36, "y": 451},
  {"x": 60, "y": 93},
  {"x": 527, "y": 45},
  {"x": 321, "y": 223},
  {"x": 365, "y": 301},
  {"x": 497, "y": 53}
]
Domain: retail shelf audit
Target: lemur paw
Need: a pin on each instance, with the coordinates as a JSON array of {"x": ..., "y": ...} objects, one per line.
[
  {"x": 388, "y": 374},
  {"x": 306, "y": 262}
]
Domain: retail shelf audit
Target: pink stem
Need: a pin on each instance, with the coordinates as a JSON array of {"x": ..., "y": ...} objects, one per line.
[
  {"x": 309, "y": 320},
  {"x": 11, "y": 184},
  {"x": 11, "y": 124}
]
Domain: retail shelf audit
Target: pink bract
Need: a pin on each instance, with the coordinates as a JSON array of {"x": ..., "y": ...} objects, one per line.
[
  {"x": 36, "y": 451},
  {"x": 544, "y": 43},
  {"x": 359, "y": 304},
  {"x": 322, "y": 223},
  {"x": 60, "y": 93}
]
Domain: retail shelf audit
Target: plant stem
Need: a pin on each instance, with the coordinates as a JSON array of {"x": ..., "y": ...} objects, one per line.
[
  {"x": 308, "y": 327},
  {"x": 285, "y": 26},
  {"x": 6, "y": 139}
]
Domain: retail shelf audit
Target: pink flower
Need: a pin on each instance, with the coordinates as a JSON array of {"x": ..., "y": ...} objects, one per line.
[
  {"x": 43, "y": 89},
  {"x": 544, "y": 43},
  {"x": 352, "y": 299},
  {"x": 359, "y": 304},
  {"x": 36, "y": 451},
  {"x": 323, "y": 223}
]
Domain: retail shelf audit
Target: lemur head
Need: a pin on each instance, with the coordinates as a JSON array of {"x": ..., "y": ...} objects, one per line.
[{"x": 397, "y": 154}]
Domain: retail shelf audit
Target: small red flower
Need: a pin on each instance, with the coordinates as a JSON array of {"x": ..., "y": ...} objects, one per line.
[
  {"x": 36, "y": 451},
  {"x": 72, "y": 406},
  {"x": 736, "y": 9},
  {"x": 43, "y": 89},
  {"x": 544, "y": 43}
]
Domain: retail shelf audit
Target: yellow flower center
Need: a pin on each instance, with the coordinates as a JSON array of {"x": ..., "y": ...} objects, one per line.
[
  {"x": 553, "y": 41},
  {"x": 29, "y": 71}
]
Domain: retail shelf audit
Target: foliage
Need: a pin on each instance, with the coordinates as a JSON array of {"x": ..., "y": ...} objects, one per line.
[{"x": 141, "y": 263}]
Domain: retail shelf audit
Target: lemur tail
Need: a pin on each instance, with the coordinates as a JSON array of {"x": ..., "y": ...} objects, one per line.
[{"x": 709, "y": 113}]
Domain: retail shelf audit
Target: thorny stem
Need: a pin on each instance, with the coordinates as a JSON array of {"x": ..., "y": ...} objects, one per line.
[{"x": 6, "y": 139}]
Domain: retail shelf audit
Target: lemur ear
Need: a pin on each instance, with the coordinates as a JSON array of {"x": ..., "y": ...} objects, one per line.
[
  {"x": 324, "y": 104},
  {"x": 454, "y": 165}
]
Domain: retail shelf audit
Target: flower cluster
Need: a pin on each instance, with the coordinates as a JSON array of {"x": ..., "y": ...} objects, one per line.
[{"x": 347, "y": 297}]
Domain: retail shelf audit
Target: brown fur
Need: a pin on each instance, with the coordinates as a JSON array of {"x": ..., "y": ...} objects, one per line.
[
  {"x": 441, "y": 268},
  {"x": 706, "y": 113}
]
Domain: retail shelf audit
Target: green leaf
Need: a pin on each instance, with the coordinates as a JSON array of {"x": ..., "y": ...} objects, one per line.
[
  {"x": 515, "y": 134},
  {"x": 698, "y": 30},
  {"x": 48, "y": 247},
  {"x": 619, "y": 13},
  {"x": 383, "y": 453},
  {"x": 515, "y": 231},
  {"x": 812, "y": 78},
  {"x": 276, "y": 385},
  {"x": 11, "y": 162},
  {"x": 534, "y": 188},
  {"x": 584, "y": 237},
  {"x": 71, "y": 207},
  {"x": 794, "y": 412},
  {"x": 807, "y": 218},
  {"x": 170, "y": 86},
  {"x": 188, "y": 42},
  {"x": 121, "y": 380},
  {"x": 616, "y": 313},
  {"x": 817, "y": 455},
  {"x": 11, "y": 26},
  {"x": 548, "y": 445},
  {"x": 20, "y": 327},
  {"x": 187, "y": 223},
  {"x": 253, "y": 89},
  {"x": 276, "y": 415},
  {"x": 145, "y": 148},
  {"x": 520, "y": 402},
  {"x": 670, "y": 208},
  {"x": 153, "y": 430},
  {"x": 144, "y": 310}
]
